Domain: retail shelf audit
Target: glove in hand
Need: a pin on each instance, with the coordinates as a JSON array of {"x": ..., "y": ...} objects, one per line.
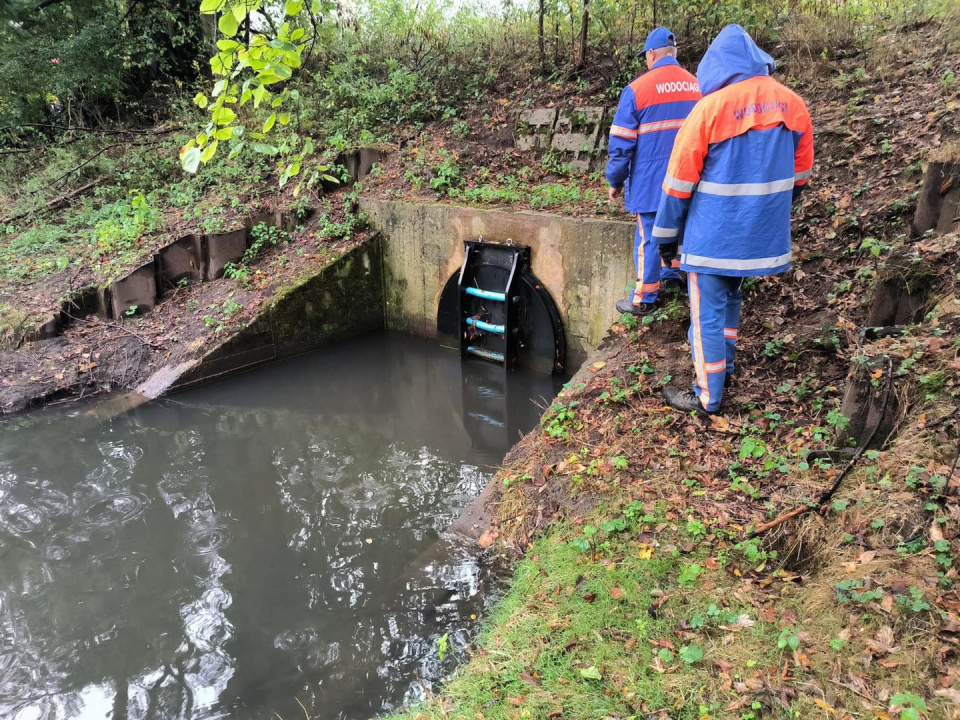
[{"x": 668, "y": 251}]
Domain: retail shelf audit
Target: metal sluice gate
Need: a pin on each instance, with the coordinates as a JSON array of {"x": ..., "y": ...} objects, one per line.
[{"x": 497, "y": 310}]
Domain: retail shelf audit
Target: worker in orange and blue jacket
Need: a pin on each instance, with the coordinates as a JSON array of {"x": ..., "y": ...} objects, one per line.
[
  {"x": 650, "y": 112},
  {"x": 741, "y": 159}
]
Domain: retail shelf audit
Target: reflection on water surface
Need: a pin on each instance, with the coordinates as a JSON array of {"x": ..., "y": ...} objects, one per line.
[{"x": 268, "y": 538}]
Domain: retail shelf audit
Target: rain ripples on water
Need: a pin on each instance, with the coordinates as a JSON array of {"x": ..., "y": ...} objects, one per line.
[{"x": 272, "y": 538}]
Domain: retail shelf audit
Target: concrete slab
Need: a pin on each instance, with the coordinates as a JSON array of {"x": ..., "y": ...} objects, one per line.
[
  {"x": 136, "y": 293},
  {"x": 218, "y": 250},
  {"x": 181, "y": 260},
  {"x": 535, "y": 128},
  {"x": 572, "y": 142},
  {"x": 267, "y": 217},
  {"x": 577, "y": 135},
  {"x": 950, "y": 211},
  {"x": 359, "y": 163}
]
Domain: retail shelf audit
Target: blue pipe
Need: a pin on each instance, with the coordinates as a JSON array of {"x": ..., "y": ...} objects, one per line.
[
  {"x": 486, "y": 294},
  {"x": 485, "y": 354},
  {"x": 487, "y": 327}
]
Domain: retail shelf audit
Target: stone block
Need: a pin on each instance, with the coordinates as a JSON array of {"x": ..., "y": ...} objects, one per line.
[
  {"x": 535, "y": 128},
  {"x": 584, "y": 119},
  {"x": 538, "y": 117},
  {"x": 181, "y": 260},
  {"x": 136, "y": 291},
  {"x": 218, "y": 250},
  {"x": 573, "y": 143}
]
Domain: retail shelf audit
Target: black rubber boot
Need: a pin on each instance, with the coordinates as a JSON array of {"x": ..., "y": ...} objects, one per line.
[
  {"x": 683, "y": 399},
  {"x": 625, "y": 306}
]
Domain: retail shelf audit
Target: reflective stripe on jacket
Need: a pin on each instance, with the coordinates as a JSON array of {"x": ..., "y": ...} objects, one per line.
[
  {"x": 737, "y": 159},
  {"x": 650, "y": 112}
]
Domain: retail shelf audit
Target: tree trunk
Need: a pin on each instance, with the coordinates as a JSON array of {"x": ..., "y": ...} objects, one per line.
[
  {"x": 584, "y": 26},
  {"x": 556, "y": 39},
  {"x": 540, "y": 39},
  {"x": 209, "y": 25}
]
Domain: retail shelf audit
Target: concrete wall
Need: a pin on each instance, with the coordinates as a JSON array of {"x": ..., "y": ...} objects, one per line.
[
  {"x": 343, "y": 300},
  {"x": 586, "y": 265}
]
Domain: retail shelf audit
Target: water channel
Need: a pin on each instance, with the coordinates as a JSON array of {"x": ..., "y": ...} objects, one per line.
[{"x": 271, "y": 539}]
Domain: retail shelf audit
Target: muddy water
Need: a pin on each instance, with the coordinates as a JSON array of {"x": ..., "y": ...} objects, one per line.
[{"x": 272, "y": 538}]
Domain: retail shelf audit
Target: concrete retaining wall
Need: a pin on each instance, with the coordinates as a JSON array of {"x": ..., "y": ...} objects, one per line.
[
  {"x": 343, "y": 300},
  {"x": 586, "y": 265}
]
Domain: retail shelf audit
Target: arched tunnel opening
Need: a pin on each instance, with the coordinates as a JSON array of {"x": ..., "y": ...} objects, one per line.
[{"x": 496, "y": 309}]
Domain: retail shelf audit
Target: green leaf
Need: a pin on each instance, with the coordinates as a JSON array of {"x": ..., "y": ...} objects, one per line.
[
  {"x": 665, "y": 655},
  {"x": 691, "y": 654},
  {"x": 190, "y": 160},
  {"x": 591, "y": 673},
  {"x": 284, "y": 118},
  {"x": 228, "y": 45},
  {"x": 221, "y": 63},
  {"x": 287, "y": 47},
  {"x": 223, "y": 116},
  {"x": 228, "y": 24},
  {"x": 223, "y": 133},
  {"x": 260, "y": 93},
  {"x": 210, "y": 6},
  {"x": 236, "y": 149},
  {"x": 208, "y": 152},
  {"x": 200, "y": 100},
  {"x": 240, "y": 11},
  {"x": 268, "y": 125},
  {"x": 908, "y": 698},
  {"x": 265, "y": 149},
  {"x": 219, "y": 87},
  {"x": 293, "y": 7},
  {"x": 281, "y": 71}
]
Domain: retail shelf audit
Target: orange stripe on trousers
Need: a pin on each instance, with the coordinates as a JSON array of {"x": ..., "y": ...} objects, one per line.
[{"x": 641, "y": 266}]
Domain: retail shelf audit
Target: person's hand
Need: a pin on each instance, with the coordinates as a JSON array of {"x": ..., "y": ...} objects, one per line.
[
  {"x": 668, "y": 251},
  {"x": 612, "y": 193}
]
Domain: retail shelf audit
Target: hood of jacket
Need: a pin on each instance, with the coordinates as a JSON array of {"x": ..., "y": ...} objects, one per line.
[{"x": 732, "y": 56}]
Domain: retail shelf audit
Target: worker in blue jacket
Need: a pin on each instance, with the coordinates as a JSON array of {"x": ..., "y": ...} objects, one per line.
[
  {"x": 650, "y": 112},
  {"x": 740, "y": 160}
]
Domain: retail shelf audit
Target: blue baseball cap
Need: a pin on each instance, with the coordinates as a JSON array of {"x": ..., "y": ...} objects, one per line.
[{"x": 659, "y": 38}]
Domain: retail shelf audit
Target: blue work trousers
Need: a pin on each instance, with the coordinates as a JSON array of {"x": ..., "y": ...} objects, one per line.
[
  {"x": 650, "y": 268},
  {"x": 714, "y": 322}
]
